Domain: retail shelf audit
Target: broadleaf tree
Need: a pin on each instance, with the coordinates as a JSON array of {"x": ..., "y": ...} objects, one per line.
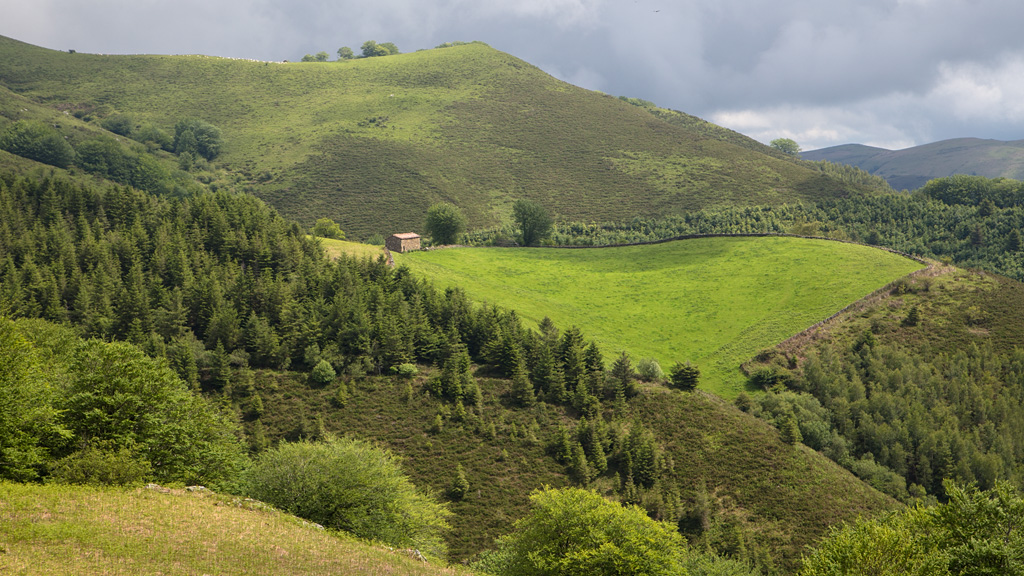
[{"x": 445, "y": 223}]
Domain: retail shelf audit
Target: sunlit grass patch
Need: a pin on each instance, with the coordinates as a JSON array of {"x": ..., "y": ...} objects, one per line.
[
  {"x": 712, "y": 301},
  {"x": 75, "y": 530}
]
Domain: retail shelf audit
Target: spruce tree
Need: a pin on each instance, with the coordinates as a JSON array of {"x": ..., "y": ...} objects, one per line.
[{"x": 460, "y": 485}]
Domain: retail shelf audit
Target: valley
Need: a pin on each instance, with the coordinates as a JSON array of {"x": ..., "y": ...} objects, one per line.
[{"x": 169, "y": 317}]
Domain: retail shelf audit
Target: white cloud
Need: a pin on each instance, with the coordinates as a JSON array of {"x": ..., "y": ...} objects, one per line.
[
  {"x": 876, "y": 71},
  {"x": 977, "y": 91},
  {"x": 816, "y": 127}
]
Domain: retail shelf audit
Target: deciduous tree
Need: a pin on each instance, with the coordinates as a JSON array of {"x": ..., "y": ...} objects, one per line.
[
  {"x": 576, "y": 531},
  {"x": 445, "y": 223},
  {"x": 533, "y": 220}
]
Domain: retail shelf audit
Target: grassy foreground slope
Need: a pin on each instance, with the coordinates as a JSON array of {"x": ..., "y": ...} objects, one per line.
[
  {"x": 372, "y": 143},
  {"x": 712, "y": 301},
  {"x": 76, "y": 530}
]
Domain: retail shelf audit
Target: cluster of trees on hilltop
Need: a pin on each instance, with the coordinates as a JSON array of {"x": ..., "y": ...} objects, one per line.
[
  {"x": 369, "y": 49},
  {"x": 971, "y": 221}
]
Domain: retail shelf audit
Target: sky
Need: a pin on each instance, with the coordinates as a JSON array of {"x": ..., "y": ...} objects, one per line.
[{"x": 887, "y": 73}]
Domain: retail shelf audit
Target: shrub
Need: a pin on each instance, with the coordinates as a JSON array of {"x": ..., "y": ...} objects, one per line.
[
  {"x": 649, "y": 370},
  {"x": 323, "y": 372},
  {"x": 94, "y": 466},
  {"x": 197, "y": 138},
  {"x": 119, "y": 124},
  {"x": 327, "y": 228},
  {"x": 348, "y": 484},
  {"x": 406, "y": 370},
  {"x": 151, "y": 134}
]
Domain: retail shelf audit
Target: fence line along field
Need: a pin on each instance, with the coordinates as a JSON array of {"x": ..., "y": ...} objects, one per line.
[{"x": 715, "y": 302}]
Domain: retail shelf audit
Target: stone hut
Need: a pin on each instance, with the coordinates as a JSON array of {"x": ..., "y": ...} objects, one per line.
[{"x": 403, "y": 242}]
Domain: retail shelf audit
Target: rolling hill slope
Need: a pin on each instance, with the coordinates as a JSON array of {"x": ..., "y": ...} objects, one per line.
[
  {"x": 912, "y": 167},
  {"x": 79, "y": 530},
  {"x": 372, "y": 143}
]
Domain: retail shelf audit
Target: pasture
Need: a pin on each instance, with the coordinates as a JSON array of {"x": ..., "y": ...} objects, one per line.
[
  {"x": 335, "y": 248},
  {"x": 715, "y": 302}
]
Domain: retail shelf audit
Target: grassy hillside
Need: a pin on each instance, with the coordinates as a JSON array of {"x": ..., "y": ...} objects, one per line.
[
  {"x": 712, "y": 301},
  {"x": 912, "y": 167},
  {"x": 754, "y": 489},
  {"x": 372, "y": 143},
  {"x": 76, "y": 530}
]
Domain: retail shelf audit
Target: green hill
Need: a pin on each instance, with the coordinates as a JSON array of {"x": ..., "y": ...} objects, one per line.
[
  {"x": 712, "y": 301},
  {"x": 77, "y": 530},
  {"x": 910, "y": 168},
  {"x": 371, "y": 143}
]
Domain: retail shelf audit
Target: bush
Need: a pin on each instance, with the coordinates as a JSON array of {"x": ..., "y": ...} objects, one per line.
[
  {"x": 121, "y": 124},
  {"x": 323, "y": 372},
  {"x": 93, "y": 466},
  {"x": 197, "y": 138},
  {"x": 327, "y": 228},
  {"x": 406, "y": 370},
  {"x": 150, "y": 134},
  {"x": 649, "y": 370},
  {"x": 349, "y": 485}
]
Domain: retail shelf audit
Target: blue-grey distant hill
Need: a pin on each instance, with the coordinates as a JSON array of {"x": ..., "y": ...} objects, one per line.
[{"x": 910, "y": 168}]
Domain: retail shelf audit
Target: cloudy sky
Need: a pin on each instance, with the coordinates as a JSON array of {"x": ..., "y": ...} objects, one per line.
[{"x": 889, "y": 73}]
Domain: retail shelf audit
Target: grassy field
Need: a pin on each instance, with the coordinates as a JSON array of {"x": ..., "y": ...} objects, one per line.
[
  {"x": 372, "y": 143},
  {"x": 335, "y": 248},
  {"x": 56, "y": 530},
  {"x": 712, "y": 301}
]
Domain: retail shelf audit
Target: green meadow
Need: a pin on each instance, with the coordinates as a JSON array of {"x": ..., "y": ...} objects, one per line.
[
  {"x": 335, "y": 248},
  {"x": 715, "y": 302}
]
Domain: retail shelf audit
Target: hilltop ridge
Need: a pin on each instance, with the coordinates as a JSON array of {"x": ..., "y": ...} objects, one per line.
[
  {"x": 371, "y": 143},
  {"x": 911, "y": 168}
]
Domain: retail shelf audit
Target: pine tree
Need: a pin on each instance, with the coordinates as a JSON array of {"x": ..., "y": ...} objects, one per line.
[
  {"x": 684, "y": 376},
  {"x": 913, "y": 317},
  {"x": 1013, "y": 243},
  {"x": 460, "y": 485},
  {"x": 522, "y": 390},
  {"x": 579, "y": 469},
  {"x": 790, "y": 431}
]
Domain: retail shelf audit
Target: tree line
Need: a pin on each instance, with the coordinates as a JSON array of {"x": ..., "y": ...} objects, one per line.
[{"x": 970, "y": 221}]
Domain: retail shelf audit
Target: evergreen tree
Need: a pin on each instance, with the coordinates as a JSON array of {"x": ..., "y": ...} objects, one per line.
[
  {"x": 684, "y": 376},
  {"x": 460, "y": 485}
]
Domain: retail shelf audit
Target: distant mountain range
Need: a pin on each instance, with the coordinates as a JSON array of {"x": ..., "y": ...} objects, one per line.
[{"x": 910, "y": 168}]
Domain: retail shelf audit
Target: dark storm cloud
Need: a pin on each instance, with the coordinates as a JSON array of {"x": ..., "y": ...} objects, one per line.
[{"x": 883, "y": 72}]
